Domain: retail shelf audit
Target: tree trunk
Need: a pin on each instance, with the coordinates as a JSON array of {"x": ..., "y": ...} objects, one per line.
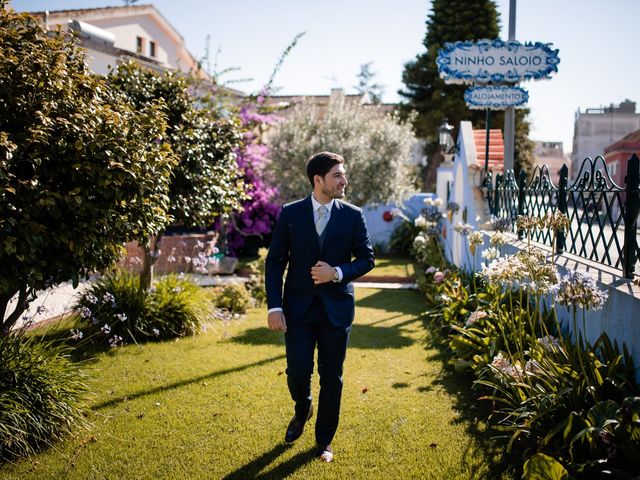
[
  {"x": 150, "y": 256},
  {"x": 6, "y": 324}
]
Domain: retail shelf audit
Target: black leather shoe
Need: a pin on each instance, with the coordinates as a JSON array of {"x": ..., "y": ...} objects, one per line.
[{"x": 296, "y": 427}]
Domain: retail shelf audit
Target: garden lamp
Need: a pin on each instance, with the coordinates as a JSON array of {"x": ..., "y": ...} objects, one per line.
[{"x": 445, "y": 138}]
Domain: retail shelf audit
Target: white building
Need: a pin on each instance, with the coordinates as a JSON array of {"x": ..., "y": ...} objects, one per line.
[
  {"x": 597, "y": 128},
  {"x": 113, "y": 35}
]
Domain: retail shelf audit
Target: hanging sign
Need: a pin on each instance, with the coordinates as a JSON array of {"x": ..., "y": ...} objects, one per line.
[
  {"x": 496, "y": 98},
  {"x": 496, "y": 61}
]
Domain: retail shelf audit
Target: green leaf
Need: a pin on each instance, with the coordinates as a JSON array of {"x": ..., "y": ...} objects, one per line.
[{"x": 544, "y": 467}]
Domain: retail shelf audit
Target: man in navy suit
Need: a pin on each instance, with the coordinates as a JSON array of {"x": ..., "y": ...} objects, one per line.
[{"x": 325, "y": 244}]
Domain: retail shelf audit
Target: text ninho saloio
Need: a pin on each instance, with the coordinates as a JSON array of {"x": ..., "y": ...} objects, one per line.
[{"x": 522, "y": 61}]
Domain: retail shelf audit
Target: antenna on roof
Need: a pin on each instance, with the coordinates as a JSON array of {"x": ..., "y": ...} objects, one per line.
[{"x": 129, "y": 2}]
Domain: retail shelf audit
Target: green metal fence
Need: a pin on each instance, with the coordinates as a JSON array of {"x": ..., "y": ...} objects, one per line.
[{"x": 603, "y": 215}]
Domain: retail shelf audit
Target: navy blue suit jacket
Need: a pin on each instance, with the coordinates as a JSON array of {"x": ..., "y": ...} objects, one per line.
[{"x": 295, "y": 244}]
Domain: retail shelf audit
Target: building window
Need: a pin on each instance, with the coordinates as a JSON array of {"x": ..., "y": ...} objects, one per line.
[
  {"x": 139, "y": 44},
  {"x": 613, "y": 169},
  {"x": 152, "y": 49}
]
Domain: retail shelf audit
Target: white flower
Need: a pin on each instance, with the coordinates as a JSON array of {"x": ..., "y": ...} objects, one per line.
[
  {"x": 84, "y": 312},
  {"x": 115, "y": 341},
  {"x": 106, "y": 329},
  {"x": 497, "y": 239},
  {"x": 431, "y": 270},
  {"x": 91, "y": 299},
  {"x": 490, "y": 253},
  {"x": 156, "y": 332},
  {"x": 122, "y": 317},
  {"x": 504, "y": 365},
  {"x": 438, "y": 202},
  {"x": 420, "y": 222},
  {"x": 419, "y": 240},
  {"x": 463, "y": 229},
  {"x": 579, "y": 290},
  {"x": 76, "y": 334}
]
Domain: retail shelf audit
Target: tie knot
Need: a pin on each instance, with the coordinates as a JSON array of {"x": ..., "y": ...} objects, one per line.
[{"x": 322, "y": 211}]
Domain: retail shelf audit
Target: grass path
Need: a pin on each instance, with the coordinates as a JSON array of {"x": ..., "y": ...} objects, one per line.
[{"x": 216, "y": 406}]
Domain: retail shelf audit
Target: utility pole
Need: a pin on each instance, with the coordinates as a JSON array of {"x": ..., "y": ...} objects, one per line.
[{"x": 509, "y": 114}]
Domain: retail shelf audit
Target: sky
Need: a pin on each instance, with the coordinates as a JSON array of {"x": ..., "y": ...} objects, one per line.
[{"x": 597, "y": 42}]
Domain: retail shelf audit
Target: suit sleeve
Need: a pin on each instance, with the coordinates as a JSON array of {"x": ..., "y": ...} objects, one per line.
[
  {"x": 276, "y": 261},
  {"x": 362, "y": 252}
]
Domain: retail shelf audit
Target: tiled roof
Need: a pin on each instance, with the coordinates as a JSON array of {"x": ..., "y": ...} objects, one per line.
[
  {"x": 496, "y": 148},
  {"x": 629, "y": 142}
]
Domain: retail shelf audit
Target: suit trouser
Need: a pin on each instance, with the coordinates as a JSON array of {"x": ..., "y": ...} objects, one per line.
[{"x": 301, "y": 339}]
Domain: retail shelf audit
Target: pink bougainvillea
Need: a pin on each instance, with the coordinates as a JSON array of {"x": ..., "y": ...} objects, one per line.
[{"x": 257, "y": 219}]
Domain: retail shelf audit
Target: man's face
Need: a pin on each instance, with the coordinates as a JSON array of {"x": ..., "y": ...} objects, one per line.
[{"x": 334, "y": 182}]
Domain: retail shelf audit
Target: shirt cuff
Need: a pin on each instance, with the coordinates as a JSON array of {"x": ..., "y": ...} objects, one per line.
[
  {"x": 339, "y": 275},
  {"x": 276, "y": 309}
]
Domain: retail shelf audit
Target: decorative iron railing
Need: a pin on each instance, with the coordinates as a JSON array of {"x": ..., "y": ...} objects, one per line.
[{"x": 603, "y": 215}]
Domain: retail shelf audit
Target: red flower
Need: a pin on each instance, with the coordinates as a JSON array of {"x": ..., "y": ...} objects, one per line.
[{"x": 387, "y": 216}]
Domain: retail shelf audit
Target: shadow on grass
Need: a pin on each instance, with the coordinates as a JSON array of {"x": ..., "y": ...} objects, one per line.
[
  {"x": 407, "y": 302},
  {"x": 362, "y": 336},
  {"x": 253, "y": 468},
  {"x": 188, "y": 381},
  {"x": 465, "y": 401}
]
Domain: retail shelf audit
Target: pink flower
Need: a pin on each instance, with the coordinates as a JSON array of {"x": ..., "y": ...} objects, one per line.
[
  {"x": 430, "y": 270},
  {"x": 438, "y": 277}
]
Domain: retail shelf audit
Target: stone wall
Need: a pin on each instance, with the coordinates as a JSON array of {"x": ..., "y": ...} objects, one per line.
[{"x": 176, "y": 252}]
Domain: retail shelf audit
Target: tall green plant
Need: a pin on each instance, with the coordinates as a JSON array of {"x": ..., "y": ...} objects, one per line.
[
  {"x": 41, "y": 394},
  {"x": 206, "y": 182},
  {"x": 81, "y": 171}
]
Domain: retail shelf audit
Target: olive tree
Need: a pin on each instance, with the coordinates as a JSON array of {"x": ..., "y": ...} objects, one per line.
[
  {"x": 81, "y": 172},
  {"x": 206, "y": 181},
  {"x": 376, "y": 147}
]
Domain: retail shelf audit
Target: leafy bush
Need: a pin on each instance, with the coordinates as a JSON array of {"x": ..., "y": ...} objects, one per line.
[
  {"x": 234, "y": 298},
  {"x": 41, "y": 394},
  {"x": 375, "y": 147},
  {"x": 178, "y": 307},
  {"x": 81, "y": 171},
  {"x": 121, "y": 312}
]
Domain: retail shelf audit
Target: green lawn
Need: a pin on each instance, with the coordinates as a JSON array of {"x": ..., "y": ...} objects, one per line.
[
  {"x": 216, "y": 406},
  {"x": 393, "y": 267}
]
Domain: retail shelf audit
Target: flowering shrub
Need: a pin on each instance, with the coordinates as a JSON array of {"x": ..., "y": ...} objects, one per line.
[
  {"x": 116, "y": 311},
  {"x": 260, "y": 210},
  {"x": 558, "y": 398}
]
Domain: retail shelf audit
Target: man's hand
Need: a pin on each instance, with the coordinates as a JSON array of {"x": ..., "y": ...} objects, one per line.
[
  {"x": 277, "y": 322},
  {"x": 322, "y": 272}
]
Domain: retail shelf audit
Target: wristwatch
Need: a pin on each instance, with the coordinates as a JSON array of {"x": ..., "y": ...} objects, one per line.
[{"x": 336, "y": 276}]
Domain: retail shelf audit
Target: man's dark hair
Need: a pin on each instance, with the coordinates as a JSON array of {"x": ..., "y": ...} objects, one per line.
[{"x": 321, "y": 163}]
